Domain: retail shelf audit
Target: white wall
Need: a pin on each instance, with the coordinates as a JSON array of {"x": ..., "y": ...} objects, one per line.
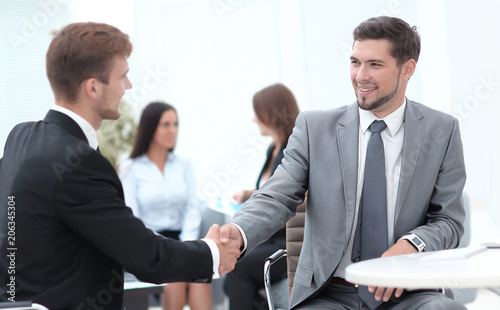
[
  {"x": 208, "y": 58},
  {"x": 474, "y": 74}
]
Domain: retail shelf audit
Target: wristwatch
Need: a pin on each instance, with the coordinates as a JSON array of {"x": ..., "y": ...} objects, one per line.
[{"x": 415, "y": 241}]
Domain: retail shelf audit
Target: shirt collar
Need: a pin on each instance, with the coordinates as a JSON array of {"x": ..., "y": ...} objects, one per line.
[
  {"x": 393, "y": 120},
  {"x": 144, "y": 157},
  {"x": 88, "y": 130}
]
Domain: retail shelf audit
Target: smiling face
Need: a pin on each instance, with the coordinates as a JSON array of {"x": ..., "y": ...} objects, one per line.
[
  {"x": 379, "y": 83},
  {"x": 108, "y": 104},
  {"x": 166, "y": 132}
]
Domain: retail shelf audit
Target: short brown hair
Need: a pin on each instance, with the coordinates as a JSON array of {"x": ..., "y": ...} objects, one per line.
[
  {"x": 81, "y": 51},
  {"x": 275, "y": 106},
  {"x": 404, "y": 39}
]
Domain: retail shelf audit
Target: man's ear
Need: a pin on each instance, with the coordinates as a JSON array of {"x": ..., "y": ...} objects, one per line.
[
  {"x": 408, "y": 68},
  {"x": 91, "y": 87}
]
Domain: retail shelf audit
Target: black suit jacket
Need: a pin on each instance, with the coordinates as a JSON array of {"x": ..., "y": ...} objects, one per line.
[{"x": 73, "y": 232}]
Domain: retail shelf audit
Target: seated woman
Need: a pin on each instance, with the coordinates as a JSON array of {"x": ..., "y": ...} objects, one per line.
[
  {"x": 275, "y": 113},
  {"x": 160, "y": 188}
]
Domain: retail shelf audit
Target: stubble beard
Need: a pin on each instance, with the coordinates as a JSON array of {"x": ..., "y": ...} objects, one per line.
[
  {"x": 107, "y": 110},
  {"x": 375, "y": 105}
]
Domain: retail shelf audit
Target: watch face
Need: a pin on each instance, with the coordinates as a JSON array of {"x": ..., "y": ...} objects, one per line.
[{"x": 416, "y": 241}]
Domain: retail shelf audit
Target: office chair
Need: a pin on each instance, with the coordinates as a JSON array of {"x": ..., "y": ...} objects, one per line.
[
  {"x": 21, "y": 305},
  {"x": 294, "y": 239}
]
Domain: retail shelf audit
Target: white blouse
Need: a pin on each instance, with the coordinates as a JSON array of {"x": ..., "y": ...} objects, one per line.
[{"x": 163, "y": 201}]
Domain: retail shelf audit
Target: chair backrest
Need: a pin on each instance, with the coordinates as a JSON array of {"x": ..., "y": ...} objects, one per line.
[
  {"x": 294, "y": 240},
  {"x": 21, "y": 305}
]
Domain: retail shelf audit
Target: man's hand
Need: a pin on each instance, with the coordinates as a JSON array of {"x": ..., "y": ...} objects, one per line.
[
  {"x": 229, "y": 250},
  {"x": 400, "y": 248},
  {"x": 230, "y": 234}
]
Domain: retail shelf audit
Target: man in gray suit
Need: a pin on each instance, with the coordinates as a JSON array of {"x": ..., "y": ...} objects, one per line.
[{"x": 325, "y": 155}]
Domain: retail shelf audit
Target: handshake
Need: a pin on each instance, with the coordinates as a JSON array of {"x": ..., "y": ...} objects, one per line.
[{"x": 229, "y": 241}]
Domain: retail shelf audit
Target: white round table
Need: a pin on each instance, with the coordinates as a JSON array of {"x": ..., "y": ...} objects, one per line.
[{"x": 472, "y": 267}]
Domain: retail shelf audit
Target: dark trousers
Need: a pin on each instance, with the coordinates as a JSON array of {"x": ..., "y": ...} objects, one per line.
[
  {"x": 338, "y": 297},
  {"x": 247, "y": 278}
]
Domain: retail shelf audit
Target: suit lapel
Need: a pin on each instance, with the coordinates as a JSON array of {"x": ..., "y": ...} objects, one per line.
[
  {"x": 66, "y": 123},
  {"x": 414, "y": 134},
  {"x": 348, "y": 137}
]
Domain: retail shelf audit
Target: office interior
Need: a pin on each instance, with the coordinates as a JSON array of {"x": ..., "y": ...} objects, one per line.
[{"x": 208, "y": 58}]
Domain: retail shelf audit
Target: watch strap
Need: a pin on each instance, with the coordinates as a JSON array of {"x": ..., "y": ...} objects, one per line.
[{"x": 415, "y": 240}]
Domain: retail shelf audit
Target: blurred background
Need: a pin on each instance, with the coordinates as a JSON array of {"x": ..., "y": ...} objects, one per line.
[{"x": 208, "y": 58}]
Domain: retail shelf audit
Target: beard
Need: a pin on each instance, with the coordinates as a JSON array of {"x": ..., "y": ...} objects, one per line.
[
  {"x": 379, "y": 102},
  {"x": 375, "y": 105},
  {"x": 107, "y": 110}
]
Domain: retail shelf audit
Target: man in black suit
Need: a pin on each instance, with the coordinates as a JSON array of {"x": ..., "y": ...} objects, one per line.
[{"x": 66, "y": 234}]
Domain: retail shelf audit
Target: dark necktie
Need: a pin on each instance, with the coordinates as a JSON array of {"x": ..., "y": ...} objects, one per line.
[{"x": 370, "y": 240}]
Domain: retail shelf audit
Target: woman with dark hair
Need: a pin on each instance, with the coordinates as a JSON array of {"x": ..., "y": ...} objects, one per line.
[
  {"x": 160, "y": 188},
  {"x": 275, "y": 113}
]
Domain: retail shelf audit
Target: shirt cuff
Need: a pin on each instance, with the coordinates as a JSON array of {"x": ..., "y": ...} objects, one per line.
[
  {"x": 243, "y": 235},
  {"x": 215, "y": 256}
]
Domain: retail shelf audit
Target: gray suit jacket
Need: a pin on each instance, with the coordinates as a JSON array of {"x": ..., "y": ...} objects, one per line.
[{"x": 322, "y": 157}]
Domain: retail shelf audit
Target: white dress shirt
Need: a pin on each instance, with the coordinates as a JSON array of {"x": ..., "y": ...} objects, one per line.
[
  {"x": 163, "y": 201},
  {"x": 88, "y": 130},
  {"x": 392, "y": 136},
  {"x": 168, "y": 200}
]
